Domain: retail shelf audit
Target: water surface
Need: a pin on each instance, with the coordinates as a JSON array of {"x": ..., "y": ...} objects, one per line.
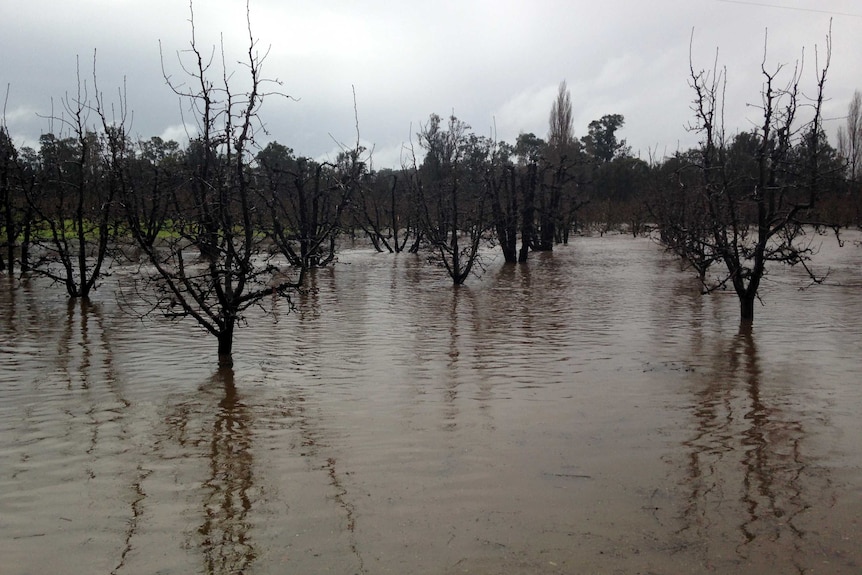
[{"x": 587, "y": 412}]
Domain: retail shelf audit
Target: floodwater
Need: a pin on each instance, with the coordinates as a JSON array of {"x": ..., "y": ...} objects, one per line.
[{"x": 589, "y": 412}]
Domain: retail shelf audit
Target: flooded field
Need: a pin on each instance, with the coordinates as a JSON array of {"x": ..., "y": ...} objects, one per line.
[{"x": 589, "y": 412}]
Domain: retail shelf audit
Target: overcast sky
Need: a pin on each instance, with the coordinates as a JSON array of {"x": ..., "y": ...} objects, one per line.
[{"x": 495, "y": 63}]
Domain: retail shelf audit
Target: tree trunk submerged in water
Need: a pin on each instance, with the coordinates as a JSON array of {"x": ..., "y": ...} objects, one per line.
[
  {"x": 225, "y": 345},
  {"x": 746, "y": 308}
]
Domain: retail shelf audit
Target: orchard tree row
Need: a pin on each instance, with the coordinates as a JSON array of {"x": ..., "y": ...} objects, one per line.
[{"x": 228, "y": 221}]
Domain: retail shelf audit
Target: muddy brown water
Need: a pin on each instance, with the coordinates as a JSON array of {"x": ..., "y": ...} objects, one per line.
[{"x": 589, "y": 412}]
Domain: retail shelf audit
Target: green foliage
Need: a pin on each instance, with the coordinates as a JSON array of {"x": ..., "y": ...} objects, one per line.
[{"x": 601, "y": 142}]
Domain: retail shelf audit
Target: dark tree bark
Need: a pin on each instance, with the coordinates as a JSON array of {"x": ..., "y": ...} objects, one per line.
[
  {"x": 501, "y": 182},
  {"x": 528, "y": 183},
  {"x": 8, "y": 167}
]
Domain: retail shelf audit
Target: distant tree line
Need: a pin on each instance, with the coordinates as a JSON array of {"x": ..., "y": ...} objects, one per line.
[
  {"x": 94, "y": 191},
  {"x": 224, "y": 223},
  {"x": 525, "y": 196}
]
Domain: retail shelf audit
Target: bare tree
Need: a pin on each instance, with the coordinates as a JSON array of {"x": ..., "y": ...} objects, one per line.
[
  {"x": 452, "y": 211},
  {"x": 500, "y": 181},
  {"x": 217, "y": 261},
  {"x": 305, "y": 200},
  {"x": 73, "y": 203},
  {"x": 381, "y": 208},
  {"x": 758, "y": 216},
  {"x": 678, "y": 207},
  {"x": 530, "y": 151}
]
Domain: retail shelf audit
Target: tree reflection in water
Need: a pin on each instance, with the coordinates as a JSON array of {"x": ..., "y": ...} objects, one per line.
[
  {"x": 225, "y": 543},
  {"x": 746, "y": 464},
  {"x": 108, "y": 415},
  {"x": 223, "y": 441}
]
